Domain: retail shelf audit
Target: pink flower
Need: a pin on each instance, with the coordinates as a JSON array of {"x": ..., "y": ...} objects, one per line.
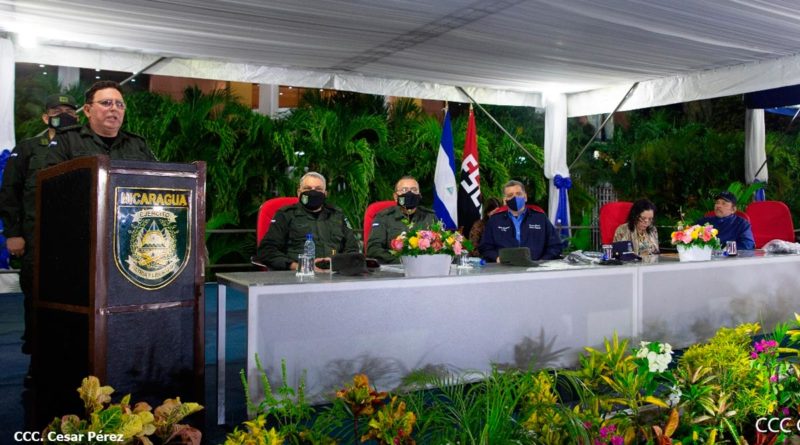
[
  {"x": 396, "y": 244},
  {"x": 457, "y": 248},
  {"x": 773, "y": 378},
  {"x": 785, "y": 411},
  {"x": 424, "y": 243},
  {"x": 617, "y": 440}
]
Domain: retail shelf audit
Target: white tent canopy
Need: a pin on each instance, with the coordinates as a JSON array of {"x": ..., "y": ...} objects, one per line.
[
  {"x": 511, "y": 50},
  {"x": 579, "y": 56}
]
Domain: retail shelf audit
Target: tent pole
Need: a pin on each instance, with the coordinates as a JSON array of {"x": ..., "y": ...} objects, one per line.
[
  {"x": 500, "y": 126},
  {"x": 605, "y": 121}
]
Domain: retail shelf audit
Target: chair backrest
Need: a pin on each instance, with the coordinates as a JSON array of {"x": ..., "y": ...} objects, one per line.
[
  {"x": 267, "y": 211},
  {"x": 372, "y": 210},
  {"x": 770, "y": 220},
  {"x": 613, "y": 214},
  {"x": 738, "y": 213}
]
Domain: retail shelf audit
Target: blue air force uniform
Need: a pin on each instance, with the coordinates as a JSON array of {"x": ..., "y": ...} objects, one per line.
[{"x": 530, "y": 229}]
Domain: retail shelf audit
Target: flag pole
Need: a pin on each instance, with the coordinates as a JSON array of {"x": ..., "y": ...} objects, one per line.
[{"x": 499, "y": 125}]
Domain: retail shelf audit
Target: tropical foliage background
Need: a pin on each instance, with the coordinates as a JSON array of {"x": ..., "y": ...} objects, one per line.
[{"x": 677, "y": 156}]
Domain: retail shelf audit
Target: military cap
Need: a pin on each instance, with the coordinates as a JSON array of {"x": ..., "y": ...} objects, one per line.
[
  {"x": 350, "y": 264},
  {"x": 516, "y": 256},
  {"x": 55, "y": 100}
]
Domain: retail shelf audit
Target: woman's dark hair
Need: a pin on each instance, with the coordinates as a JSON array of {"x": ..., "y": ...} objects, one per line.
[
  {"x": 640, "y": 206},
  {"x": 490, "y": 205}
]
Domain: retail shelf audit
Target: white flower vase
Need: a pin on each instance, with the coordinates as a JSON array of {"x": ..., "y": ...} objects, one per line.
[
  {"x": 427, "y": 265},
  {"x": 694, "y": 253}
]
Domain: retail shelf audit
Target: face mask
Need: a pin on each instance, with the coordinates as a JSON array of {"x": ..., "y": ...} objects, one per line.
[
  {"x": 409, "y": 200},
  {"x": 516, "y": 203},
  {"x": 312, "y": 199},
  {"x": 61, "y": 120}
]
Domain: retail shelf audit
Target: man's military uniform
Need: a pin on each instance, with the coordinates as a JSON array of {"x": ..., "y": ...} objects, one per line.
[
  {"x": 286, "y": 236},
  {"x": 388, "y": 224},
  {"x": 78, "y": 141},
  {"x": 18, "y": 209}
]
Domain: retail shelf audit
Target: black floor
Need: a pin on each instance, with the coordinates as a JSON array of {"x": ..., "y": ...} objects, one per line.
[{"x": 14, "y": 364}]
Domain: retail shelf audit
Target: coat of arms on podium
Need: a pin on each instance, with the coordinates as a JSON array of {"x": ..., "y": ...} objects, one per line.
[{"x": 152, "y": 227}]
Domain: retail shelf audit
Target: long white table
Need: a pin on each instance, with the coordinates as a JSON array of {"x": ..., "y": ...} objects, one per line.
[{"x": 331, "y": 327}]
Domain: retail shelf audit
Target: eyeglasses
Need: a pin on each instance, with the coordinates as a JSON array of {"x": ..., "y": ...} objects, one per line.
[
  {"x": 318, "y": 188},
  {"x": 107, "y": 103},
  {"x": 402, "y": 190},
  {"x": 645, "y": 220}
]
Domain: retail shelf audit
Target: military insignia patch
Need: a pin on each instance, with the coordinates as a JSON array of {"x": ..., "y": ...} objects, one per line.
[{"x": 152, "y": 234}]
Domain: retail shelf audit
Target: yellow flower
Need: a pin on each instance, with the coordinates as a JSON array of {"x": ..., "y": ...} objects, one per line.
[
  {"x": 695, "y": 233},
  {"x": 714, "y": 232},
  {"x": 451, "y": 240},
  {"x": 413, "y": 242}
]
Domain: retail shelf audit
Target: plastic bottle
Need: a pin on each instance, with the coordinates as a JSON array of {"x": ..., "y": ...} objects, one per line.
[
  {"x": 309, "y": 248},
  {"x": 476, "y": 262}
]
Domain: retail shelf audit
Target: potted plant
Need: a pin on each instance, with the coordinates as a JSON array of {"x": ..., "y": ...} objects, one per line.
[
  {"x": 428, "y": 252},
  {"x": 695, "y": 243}
]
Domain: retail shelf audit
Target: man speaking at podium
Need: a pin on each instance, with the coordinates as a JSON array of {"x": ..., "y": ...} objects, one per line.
[{"x": 105, "y": 110}]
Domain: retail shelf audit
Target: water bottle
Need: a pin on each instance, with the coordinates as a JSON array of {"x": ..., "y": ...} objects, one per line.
[
  {"x": 309, "y": 249},
  {"x": 306, "y": 259},
  {"x": 476, "y": 261}
]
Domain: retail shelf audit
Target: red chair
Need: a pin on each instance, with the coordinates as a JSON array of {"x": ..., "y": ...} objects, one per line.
[
  {"x": 265, "y": 214},
  {"x": 612, "y": 215},
  {"x": 372, "y": 210},
  {"x": 267, "y": 211},
  {"x": 738, "y": 213},
  {"x": 770, "y": 220}
]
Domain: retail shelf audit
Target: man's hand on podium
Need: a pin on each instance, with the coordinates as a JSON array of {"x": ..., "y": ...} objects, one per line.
[{"x": 16, "y": 245}]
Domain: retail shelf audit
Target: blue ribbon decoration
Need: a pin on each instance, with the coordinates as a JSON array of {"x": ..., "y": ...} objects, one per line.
[
  {"x": 4, "y": 255},
  {"x": 761, "y": 194},
  {"x": 562, "y": 213}
]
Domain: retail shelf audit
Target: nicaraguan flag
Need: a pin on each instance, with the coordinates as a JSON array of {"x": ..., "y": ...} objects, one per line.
[{"x": 445, "y": 192}]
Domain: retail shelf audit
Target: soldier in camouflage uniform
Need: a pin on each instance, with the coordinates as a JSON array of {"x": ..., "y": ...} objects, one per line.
[
  {"x": 286, "y": 236},
  {"x": 389, "y": 222},
  {"x": 105, "y": 112},
  {"x": 18, "y": 194}
]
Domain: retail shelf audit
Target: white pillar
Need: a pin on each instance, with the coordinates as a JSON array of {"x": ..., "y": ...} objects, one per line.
[
  {"x": 7, "y": 140},
  {"x": 68, "y": 76},
  {"x": 555, "y": 147},
  {"x": 755, "y": 154},
  {"x": 268, "y": 95}
]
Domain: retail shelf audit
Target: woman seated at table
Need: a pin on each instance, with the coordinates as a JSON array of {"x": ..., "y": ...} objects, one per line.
[{"x": 639, "y": 229}]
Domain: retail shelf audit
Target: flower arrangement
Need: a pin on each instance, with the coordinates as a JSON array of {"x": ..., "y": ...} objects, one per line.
[
  {"x": 656, "y": 356},
  {"x": 431, "y": 241},
  {"x": 696, "y": 235}
]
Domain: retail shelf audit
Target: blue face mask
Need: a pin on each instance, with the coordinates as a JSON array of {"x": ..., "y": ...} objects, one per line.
[{"x": 516, "y": 203}]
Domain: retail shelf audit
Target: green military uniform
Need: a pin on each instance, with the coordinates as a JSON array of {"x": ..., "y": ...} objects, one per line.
[
  {"x": 286, "y": 236},
  {"x": 18, "y": 194},
  {"x": 18, "y": 210},
  {"x": 388, "y": 224},
  {"x": 78, "y": 141}
]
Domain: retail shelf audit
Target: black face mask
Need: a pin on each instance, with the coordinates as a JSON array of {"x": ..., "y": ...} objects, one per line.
[
  {"x": 516, "y": 203},
  {"x": 312, "y": 199},
  {"x": 408, "y": 200},
  {"x": 61, "y": 120}
]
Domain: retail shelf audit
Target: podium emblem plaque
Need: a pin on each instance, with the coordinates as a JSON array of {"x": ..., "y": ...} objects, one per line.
[{"x": 152, "y": 228}]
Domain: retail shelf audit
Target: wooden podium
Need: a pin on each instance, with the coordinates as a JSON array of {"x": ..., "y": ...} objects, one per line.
[{"x": 118, "y": 282}]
